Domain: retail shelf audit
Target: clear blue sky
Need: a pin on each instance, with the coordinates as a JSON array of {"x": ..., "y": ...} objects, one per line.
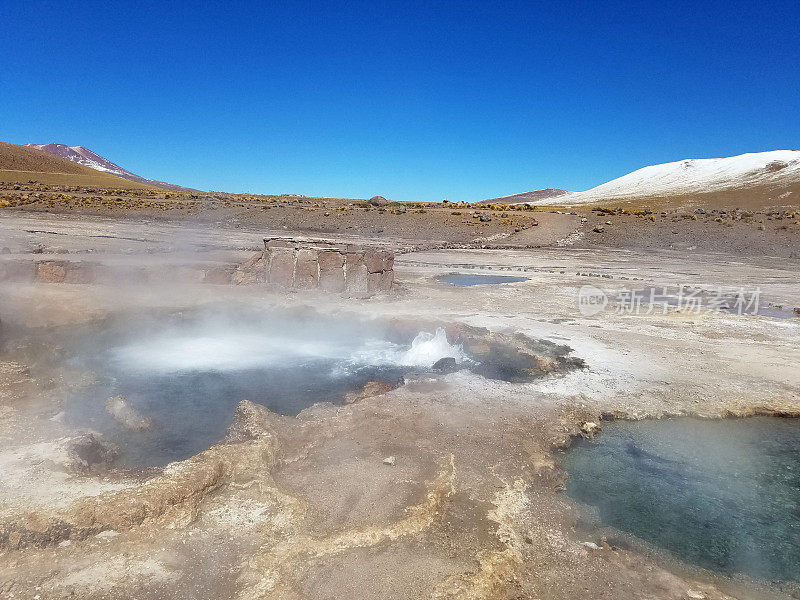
[{"x": 413, "y": 101}]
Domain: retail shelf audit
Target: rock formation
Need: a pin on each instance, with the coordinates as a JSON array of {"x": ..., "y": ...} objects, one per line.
[{"x": 336, "y": 268}]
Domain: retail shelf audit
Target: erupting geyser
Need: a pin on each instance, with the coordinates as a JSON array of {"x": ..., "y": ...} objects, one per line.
[{"x": 184, "y": 377}]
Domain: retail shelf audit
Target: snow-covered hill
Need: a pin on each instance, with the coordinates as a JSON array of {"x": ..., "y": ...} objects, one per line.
[
  {"x": 84, "y": 156},
  {"x": 526, "y": 197},
  {"x": 762, "y": 172}
]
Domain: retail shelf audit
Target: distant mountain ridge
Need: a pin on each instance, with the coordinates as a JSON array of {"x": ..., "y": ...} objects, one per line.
[
  {"x": 754, "y": 178},
  {"x": 534, "y": 196},
  {"x": 84, "y": 156},
  {"x": 22, "y": 164}
]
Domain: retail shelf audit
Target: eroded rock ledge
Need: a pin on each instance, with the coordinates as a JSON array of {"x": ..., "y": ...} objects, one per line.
[{"x": 306, "y": 265}]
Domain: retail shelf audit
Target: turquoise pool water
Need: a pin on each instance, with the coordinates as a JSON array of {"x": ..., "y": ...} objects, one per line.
[{"x": 721, "y": 494}]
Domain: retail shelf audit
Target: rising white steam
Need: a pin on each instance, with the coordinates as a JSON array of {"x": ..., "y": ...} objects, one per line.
[
  {"x": 219, "y": 351},
  {"x": 231, "y": 349}
]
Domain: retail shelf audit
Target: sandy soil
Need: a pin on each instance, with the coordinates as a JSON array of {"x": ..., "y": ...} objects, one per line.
[
  {"x": 306, "y": 507},
  {"x": 724, "y": 229}
]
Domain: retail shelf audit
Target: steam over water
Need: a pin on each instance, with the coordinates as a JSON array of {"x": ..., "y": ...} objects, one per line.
[
  {"x": 722, "y": 494},
  {"x": 222, "y": 349},
  {"x": 187, "y": 375}
]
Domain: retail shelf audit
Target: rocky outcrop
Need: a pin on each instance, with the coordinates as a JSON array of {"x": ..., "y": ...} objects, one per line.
[
  {"x": 251, "y": 271},
  {"x": 348, "y": 269},
  {"x": 63, "y": 271},
  {"x": 370, "y": 389},
  {"x": 253, "y": 421},
  {"x": 309, "y": 265}
]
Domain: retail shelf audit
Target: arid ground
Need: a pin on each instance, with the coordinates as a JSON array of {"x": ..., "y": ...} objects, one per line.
[{"x": 449, "y": 486}]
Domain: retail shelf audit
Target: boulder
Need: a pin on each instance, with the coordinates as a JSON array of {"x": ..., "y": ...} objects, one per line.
[
  {"x": 125, "y": 414},
  {"x": 589, "y": 429},
  {"x": 445, "y": 365},
  {"x": 90, "y": 450},
  {"x": 378, "y": 201}
]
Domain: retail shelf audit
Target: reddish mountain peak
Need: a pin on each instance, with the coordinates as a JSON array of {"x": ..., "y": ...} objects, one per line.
[{"x": 82, "y": 155}]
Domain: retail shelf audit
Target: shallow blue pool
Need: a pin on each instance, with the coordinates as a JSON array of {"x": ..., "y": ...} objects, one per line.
[
  {"x": 469, "y": 279},
  {"x": 722, "y": 494}
]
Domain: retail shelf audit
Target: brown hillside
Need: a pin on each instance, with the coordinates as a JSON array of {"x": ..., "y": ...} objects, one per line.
[
  {"x": 20, "y": 158},
  {"x": 759, "y": 198},
  {"x": 19, "y": 164},
  {"x": 533, "y": 196}
]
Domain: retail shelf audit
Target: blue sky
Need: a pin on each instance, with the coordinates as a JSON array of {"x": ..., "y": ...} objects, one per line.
[{"x": 413, "y": 101}]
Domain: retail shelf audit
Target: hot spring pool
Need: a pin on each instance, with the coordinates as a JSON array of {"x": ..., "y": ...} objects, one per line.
[
  {"x": 186, "y": 374},
  {"x": 722, "y": 494}
]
